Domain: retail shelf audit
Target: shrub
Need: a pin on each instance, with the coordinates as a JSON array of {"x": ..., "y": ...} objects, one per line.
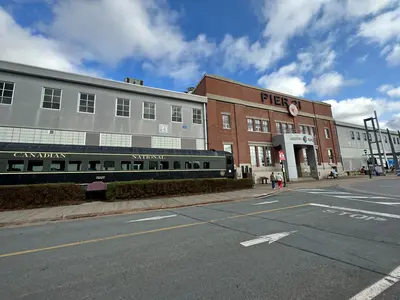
[
  {"x": 152, "y": 188},
  {"x": 40, "y": 195}
]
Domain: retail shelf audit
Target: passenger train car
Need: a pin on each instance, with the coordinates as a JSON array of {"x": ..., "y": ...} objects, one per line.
[{"x": 41, "y": 163}]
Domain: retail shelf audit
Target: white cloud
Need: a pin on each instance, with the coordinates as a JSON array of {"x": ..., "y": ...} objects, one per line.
[
  {"x": 393, "y": 58},
  {"x": 284, "y": 81},
  {"x": 327, "y": 84},
  {"x": 362, "y": 59},
  {"x": 359, "y": 8},
  {"x": 355, "y": 110},
  {"x": 390, "y": 90},
  {"x": 393, "y": 123},
  {"x": 382, "y": 28}
]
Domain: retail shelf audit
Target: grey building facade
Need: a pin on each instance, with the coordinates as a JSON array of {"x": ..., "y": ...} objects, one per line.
[
  {"x": 353, "y": 142},
  {"x": 45, "y": 106}
]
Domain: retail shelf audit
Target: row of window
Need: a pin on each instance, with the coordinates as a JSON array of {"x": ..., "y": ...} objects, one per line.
[
  {"x": 51, "y": 99},
  {"x": 257, "y": 125},
  {"x": 96, "y": 165},
  {"x": 260, "y": 156},
  {"x": 385, "y": 137}
]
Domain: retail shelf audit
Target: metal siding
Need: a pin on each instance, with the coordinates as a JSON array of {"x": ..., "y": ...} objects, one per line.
[{"x": 26, "y": 112}]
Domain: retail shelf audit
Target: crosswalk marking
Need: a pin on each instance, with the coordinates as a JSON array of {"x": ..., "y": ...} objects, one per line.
[{"x": 350, "y": 196}]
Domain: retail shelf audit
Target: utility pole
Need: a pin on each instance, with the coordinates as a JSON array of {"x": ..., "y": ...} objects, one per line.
[
  {"x": 377, "y": 146},
  {"x": 395, "y": 160},
  {"x": 371, "y": 161},
  {"x": 383, "y": 147}
]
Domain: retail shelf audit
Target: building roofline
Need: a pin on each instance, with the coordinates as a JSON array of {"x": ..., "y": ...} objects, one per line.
[
  {"x": 351, "y": 125},
  {"x": 259, "y": 88},
  {"x": 29, "y": 70}
]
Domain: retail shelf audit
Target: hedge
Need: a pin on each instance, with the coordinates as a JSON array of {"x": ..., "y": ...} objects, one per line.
[
  {"x": 40, "y": 195},
  {"x": 45, "y": 195},
  {"x": 154, "y": 188}
]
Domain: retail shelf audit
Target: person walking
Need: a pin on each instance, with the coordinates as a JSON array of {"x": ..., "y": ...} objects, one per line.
[
  {"x": 279, "y": 179},
  {"x": 272, "y": 178}
]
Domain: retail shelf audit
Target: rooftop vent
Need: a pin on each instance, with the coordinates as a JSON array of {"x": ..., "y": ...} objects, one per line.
[
  {"x": 133, "y": 81},
  {"x": 189, "y": 90}
]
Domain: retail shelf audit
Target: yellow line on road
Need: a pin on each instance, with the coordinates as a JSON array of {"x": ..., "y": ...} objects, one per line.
[{"x": 141, "y": 232}]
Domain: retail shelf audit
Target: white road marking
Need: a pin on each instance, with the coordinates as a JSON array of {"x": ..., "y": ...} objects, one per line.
[
  {"x": 151, "y": 219},
  {"x": 266, "y": 202},
  {"x": 358, "y": 210},
  {"x": 354, "y": 216},
  {"x": 378, "y": 287},
  {"x": 310, "y": 190},
  {"x": 267, "y": 238},
  {"x": 362, "y": 197},
  {"x": 331, "y": 192}
]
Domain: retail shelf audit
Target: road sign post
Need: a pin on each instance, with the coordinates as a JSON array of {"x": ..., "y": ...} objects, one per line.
[{"x": 281, "y": 159}]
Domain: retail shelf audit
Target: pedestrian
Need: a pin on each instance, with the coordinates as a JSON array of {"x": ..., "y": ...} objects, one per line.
[
  {"x": 272, "y": 178},
  {"x": 279, "y": 179}
]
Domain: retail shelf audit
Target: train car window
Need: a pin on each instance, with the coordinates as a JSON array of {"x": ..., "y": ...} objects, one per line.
[
  {"x": 164, "y": 165},
  {"x": 206, "y": 165},
  {"x": 196, "y": 165},
  {"x": 126, "y": 165},
  {"x": 138, "y": 165},
  {"x": 109, "y": 165},
  {"x": 177, "y": 165},
  {"x": 15, "y": 165},
  {"x": 188, "y": 164},
  {"x": 94, "y": 165},
  {"x": 228, "y": 160},
  {"x": 35, "y": 165},
  {"x": 153, "y": 165},
  {"x": 57, "y": 165},
  {"x": 74, "y": 166}
]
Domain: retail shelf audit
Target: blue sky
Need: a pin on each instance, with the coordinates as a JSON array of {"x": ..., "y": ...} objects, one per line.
[{"x": 345, "y": 52}]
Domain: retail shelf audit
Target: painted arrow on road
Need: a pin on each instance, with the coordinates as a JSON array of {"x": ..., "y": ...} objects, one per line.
[
  {"x": 267, "y": 238},
  {"x": 151, "y": 219}
]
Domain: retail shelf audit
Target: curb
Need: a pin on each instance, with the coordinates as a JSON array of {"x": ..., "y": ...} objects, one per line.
[{"x": 128, "y": 211}]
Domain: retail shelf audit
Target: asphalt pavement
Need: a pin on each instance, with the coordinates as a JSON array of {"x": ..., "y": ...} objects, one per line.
[{"x": 325, "y": 243}]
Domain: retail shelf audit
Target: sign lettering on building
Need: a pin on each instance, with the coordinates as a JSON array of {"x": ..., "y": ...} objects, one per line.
[
  {"x": 148, "y": 156},
  {"x": 39, "y": 155},
  {"x": 279, "y": 100}
]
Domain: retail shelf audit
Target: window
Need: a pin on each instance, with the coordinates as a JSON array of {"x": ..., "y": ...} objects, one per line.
[
  {"x": 394, "y": 140},
  {"x": 196, "y": 165},
  {"x": 284, "y": 128},
  {"x": 109, "y": 165},
  {"x": 177, "y": 165},
  {"x": 305, "y": 158},
  {"x": 164, "y": 165},
  {"x": 364, "y": 136},
  {"x": 352, "y": 135},
  {"x": 370, "y": 136},
  {"x": 330, "y": 155},
  {"x": 257, "y": 125},
  {"x": 228, "y": 148},
  {"x": 301, "y": 128},
  {"x": 397, "y": 140},
  {"x": 312, "y": 131},
  {"x": 51, "y": 98},
  {"x": 265, "y": 125},
  {"x": 268, "y": 156},
  {"x": 253, "y": 157},
  {"x": 188, "y": 165},
  {"x": 6, "y": 92},
  {"x": 358, "y": 136},
  {"x": 326, "y": 130},
  {"x": 125, "y": 165},
  {"x": 278, "y": 127},
  {"x": 385, "y": 138},
  {"x": 94, "y": 165},
  {"x": 123, "y": 107},
  {"x": 290, "y": 128},
  {"x": 35, "y": 166},
  {"x": 176, "y": 113},
  {"x": 86, "y": 103},
  {"x": 138, "y": 165},
  {"x": 308, "y": 130},
  {"x": 206, "y": 165},
  {"x": 149, "y": 110},
  {"x": 153, "y": 165},
  {"x": 57, "y": 165},
  {"x": 197, "y": 116},
  {"x": 226, "y": 121},
  {"x": 15, "y": 165},
  {"x": 250, "y": 124},
  {"x": 74, "y": 166},
  {"x": 261, "y": 160}
]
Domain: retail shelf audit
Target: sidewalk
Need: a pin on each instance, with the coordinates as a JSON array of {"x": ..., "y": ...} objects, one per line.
[{"x": 92, "y": 209}]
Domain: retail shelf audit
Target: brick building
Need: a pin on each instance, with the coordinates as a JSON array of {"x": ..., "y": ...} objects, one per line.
[{"x": 256, "y": 123}]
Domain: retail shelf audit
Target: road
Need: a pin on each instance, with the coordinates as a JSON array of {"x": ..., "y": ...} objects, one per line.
[{"x": 301, "y": 244}]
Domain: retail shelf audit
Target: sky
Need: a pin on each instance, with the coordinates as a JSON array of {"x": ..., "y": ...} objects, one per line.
[{"x": 343, "y": 52}]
